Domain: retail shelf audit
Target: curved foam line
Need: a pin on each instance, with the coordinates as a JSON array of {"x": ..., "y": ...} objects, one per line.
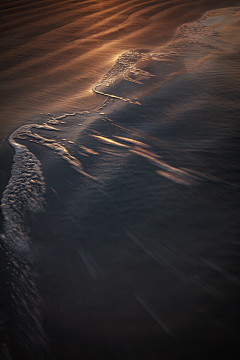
[
  {"x": 113, "y": 96},
  {"x": 50, "y": 143}
]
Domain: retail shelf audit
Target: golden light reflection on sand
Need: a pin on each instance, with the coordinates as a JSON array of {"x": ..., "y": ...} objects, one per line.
[{"x": 52, "y": 55}]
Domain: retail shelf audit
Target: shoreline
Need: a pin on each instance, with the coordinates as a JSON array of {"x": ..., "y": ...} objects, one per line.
[
  {"x": 5, "y": 144},
  {"x": 128, "y": 230},
  {"x": 26, "y": 90}
]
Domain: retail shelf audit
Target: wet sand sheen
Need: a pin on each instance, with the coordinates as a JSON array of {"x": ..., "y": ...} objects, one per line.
[
  {"x": 52, "y": 54},
  {"x": 110, "y": 265}
]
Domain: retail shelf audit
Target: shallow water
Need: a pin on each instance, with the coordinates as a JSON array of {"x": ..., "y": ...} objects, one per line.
[{"x": 121, "y": 235}]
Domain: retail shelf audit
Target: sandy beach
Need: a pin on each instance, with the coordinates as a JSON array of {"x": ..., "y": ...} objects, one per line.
[
  {"x": 53, "y": 53},
  {"x": 119, "y": 180}
]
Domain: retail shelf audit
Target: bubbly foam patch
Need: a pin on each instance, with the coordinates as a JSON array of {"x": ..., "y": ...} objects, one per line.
[
  {"x": 24, "y": 195},
  {"x": 125, "y": 68}
]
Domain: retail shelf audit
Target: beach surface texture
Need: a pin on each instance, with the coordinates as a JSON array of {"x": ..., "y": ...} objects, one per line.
[{"x": 119, "y": 180}]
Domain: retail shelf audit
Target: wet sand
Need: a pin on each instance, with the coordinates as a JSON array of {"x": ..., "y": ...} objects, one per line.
[{"x": 51, "y": 54}]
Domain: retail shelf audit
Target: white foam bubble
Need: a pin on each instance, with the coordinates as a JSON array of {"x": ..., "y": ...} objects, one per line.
[{"x": 23, "y": 194}]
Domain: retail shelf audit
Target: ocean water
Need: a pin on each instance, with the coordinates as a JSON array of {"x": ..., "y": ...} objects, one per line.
[{"x": 120, "y": 233}]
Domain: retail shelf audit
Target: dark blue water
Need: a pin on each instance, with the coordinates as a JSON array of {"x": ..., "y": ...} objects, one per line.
[{"x": 121, "y": 223}]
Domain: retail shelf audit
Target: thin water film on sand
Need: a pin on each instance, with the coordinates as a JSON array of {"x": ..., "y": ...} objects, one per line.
[{"x": 121, "y": 221}]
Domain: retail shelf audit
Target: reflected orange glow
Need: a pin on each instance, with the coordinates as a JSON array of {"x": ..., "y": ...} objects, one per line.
[
  {"x": 108, "y": 141},
  {"x": 53, "y": 55}
]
